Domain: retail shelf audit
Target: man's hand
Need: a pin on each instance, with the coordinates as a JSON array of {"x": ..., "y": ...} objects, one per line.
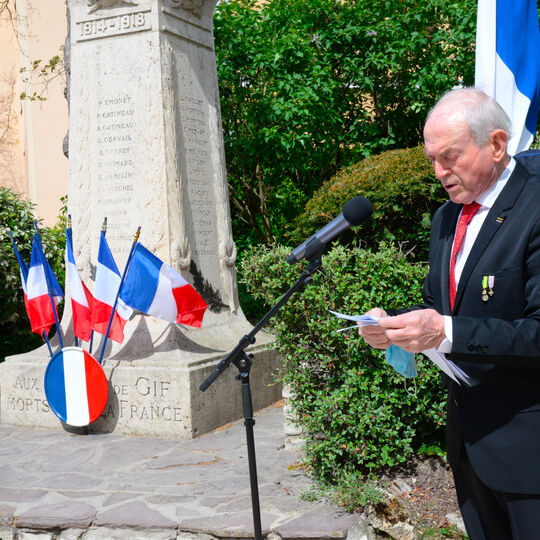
[
  {"x": 375, "y": 336},
  {"x": 414, "y": 331}
]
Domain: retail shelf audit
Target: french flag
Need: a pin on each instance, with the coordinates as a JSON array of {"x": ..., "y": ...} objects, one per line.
[
  {"x": 38, "y": 302},
  {"x": 105, "y": 293},
  {"x": 154, "y": 288},
  {"x": 81, "y": 297},
  {"x": 508, "y": 63},
  {"x": 76, "y": 386}
]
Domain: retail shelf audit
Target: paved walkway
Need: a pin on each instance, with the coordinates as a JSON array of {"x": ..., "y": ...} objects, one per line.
[{"x": 67, "y": 486}]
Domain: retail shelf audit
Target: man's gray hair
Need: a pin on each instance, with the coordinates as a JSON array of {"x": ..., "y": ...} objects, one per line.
[{"x": 478, "y": 110}]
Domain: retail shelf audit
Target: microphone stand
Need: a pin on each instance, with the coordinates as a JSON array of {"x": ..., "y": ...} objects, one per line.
[{"x": 243, "y": 362}]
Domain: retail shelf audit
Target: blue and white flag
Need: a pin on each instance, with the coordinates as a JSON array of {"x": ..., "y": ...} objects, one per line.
[
  {"x": 508, "y": 63},
  {"x": 156, "y": 289}
]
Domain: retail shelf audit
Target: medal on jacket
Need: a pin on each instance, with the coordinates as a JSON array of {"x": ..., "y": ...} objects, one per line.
[{"x": 487, "y": 282}]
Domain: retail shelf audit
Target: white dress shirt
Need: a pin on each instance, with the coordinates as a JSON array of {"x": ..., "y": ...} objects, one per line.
[{"x": 486, "y": 201}]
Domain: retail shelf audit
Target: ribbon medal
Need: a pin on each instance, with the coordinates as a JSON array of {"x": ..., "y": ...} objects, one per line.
[{"x": 487, "y": 282}]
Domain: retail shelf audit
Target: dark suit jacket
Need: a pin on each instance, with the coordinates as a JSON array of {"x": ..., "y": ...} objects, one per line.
[{"x": 497, "y": 342}]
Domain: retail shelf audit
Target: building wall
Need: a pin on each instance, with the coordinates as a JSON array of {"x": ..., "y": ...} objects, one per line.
[{"x": 31, "y": 156}]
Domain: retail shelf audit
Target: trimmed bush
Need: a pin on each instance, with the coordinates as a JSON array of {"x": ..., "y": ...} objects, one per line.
[
  {"x": 359, "y": 413},
  {"x": 17, "y": 215},
  {"x": 402, "y": 188}
]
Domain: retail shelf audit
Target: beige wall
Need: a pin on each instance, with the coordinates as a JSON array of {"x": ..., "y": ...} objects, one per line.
[{"x": 31, "y": 157}]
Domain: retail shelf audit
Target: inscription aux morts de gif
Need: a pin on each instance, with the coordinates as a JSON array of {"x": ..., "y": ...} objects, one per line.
[
  {"x": 146, "y": 399},
  {"x": 149, "y": 402},
  {"x": 27, "y": 396}
]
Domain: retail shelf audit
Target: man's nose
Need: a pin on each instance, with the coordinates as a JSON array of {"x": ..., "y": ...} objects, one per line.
[{"x": 440, "y": 170}]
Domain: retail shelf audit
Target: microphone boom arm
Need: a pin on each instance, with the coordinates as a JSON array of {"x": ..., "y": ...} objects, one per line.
[{"x": 313, "y": 255}]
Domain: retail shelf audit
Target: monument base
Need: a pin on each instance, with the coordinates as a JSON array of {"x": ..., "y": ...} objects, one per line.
[{"x": 154, "y": 391}]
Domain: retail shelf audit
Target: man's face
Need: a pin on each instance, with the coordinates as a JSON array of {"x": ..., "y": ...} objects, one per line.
[{"x": 464, "y": 169}]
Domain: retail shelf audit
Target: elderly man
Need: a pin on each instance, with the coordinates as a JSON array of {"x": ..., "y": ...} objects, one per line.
[{"x": 482, "y": 307}]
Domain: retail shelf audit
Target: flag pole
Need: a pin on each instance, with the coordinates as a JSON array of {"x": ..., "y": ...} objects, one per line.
[
  {"x": 104, "y": 231},
  {"x": 69, "y": 238},
  {"x": 48, "y": 280},
  {"x": 17, "y": 254},
  {"x": 46, "y": 340},
  {"x": 130, "y": 256}
]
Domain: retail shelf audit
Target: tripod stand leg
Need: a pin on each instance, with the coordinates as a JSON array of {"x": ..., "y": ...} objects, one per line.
[{"x": 249, "y": 422}]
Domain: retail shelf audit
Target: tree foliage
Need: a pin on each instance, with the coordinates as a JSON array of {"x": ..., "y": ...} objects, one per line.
[{"x": 307, "y": 88}]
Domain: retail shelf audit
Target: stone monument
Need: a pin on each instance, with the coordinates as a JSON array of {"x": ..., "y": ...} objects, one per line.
[{"x": 146, "y": 149}]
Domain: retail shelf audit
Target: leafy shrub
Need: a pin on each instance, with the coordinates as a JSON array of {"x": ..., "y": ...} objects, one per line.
[
  {"x": 17, "y": 215},
  {"x": 402, "y": 188},
  {"x": 357, "y": 410}
]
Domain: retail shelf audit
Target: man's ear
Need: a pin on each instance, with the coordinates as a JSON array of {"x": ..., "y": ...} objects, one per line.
[{"x": 498, "y": 141}]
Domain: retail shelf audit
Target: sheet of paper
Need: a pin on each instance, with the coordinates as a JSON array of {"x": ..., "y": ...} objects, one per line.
[
  {"x": 440, "y": 361},
  {"x": 460, "y": 374},
  {"x": 362, "y": 320},
  {"x": 448, "y": 367}
]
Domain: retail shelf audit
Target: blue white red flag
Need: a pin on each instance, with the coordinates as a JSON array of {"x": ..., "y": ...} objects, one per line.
[
  {"x": 40, "y": 278},
  {"x": 105, "y": 293},
  {"x": 76, "y": 386},
  {"x": 508, "y": 63},
  {"x": 154, "y": 288},
  {"x": 81, "y": 297}
]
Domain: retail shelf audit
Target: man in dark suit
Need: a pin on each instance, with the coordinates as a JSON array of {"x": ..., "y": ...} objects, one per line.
[{"x": 482, "y": 308}]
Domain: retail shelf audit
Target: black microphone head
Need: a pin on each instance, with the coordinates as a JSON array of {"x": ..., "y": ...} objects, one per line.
[{"x": 357, "y": 210}]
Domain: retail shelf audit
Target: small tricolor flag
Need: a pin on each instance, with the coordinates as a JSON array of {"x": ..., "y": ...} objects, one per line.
[
  {"x": 154, "y": 288},
  {"x": 105, "y": 292},
  {"x": 508, "y": 63},
  {"x": 76, "y": 386},
  {"x": 38, "y": 282},
  {"x": 81, "y": 297}
]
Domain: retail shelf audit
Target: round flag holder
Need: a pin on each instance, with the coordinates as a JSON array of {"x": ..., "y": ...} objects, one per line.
[{"x": 76, "y": 386}]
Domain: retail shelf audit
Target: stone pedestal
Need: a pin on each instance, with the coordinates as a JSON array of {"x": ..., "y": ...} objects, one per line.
[
  {"x": 146, "y": 149},
  {"x": 154, "y": 392}
]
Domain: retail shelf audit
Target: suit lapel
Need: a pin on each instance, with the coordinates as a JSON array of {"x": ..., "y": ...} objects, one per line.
[{"x": 496, "y": 216}]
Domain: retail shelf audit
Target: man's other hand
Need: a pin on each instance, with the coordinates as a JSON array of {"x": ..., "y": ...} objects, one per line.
[
  {"x": 374, "y": 335},
  {"x": 415, "y": 331}
]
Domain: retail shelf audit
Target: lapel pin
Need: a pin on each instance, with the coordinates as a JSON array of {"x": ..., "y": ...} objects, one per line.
[
  {"x": 491, "y": 282},
  {"x": 487, "y": 283},
  {"x": 485, "y": 296},
  {"x": 500, "y": 219}
]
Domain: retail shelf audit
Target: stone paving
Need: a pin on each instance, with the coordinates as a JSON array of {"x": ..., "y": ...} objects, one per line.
[{"x": 60, "y": 485}]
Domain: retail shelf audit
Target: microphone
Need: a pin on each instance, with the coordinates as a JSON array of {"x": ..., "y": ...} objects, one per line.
[{"x": 355, "y": 212}]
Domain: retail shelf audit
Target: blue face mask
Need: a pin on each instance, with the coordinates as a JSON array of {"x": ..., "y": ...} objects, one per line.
[{"x": 401, "y": 360}]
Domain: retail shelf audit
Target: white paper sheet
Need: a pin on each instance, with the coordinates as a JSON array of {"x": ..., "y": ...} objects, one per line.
[
  {"x": 363, "y": 320},
  {"x": 453, "y": 371}
]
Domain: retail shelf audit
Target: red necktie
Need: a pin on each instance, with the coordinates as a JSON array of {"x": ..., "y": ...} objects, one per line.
[{"x": 467, "y": 214}]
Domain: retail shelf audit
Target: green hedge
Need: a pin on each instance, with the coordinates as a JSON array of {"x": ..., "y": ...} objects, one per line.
[
  {"x": 17, "y": 215},
  {"x": 402, "y": 188},
  {"x": 358, "y": 411}
]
